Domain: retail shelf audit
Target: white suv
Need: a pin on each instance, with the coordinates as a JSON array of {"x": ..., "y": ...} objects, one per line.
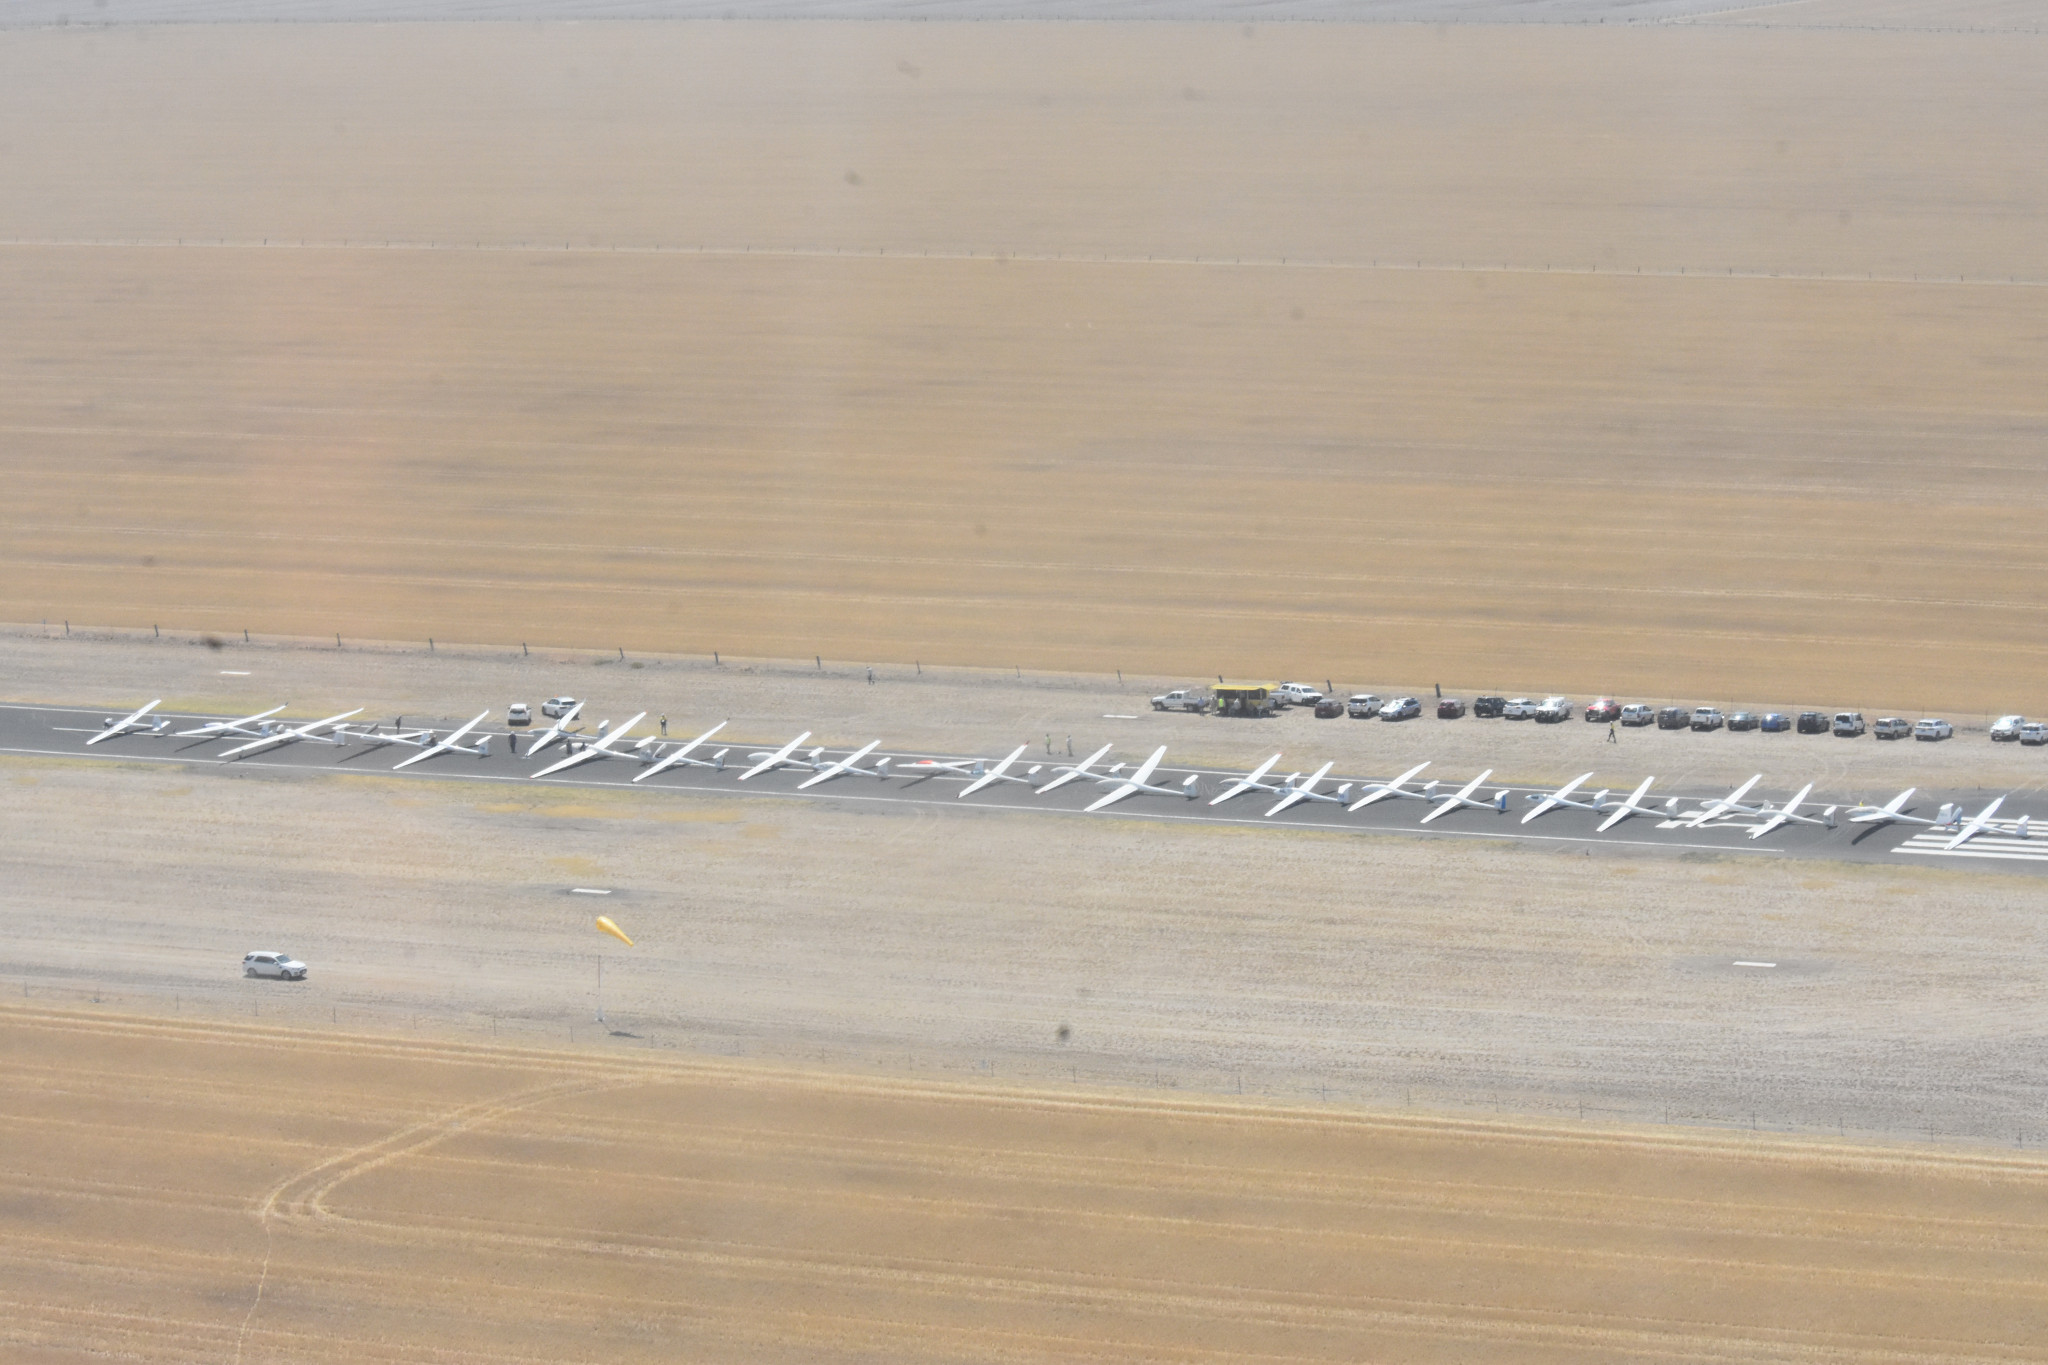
[
  {"x": 1401, "y": 708},
  {"x": 1553, "y": 710},
  {"x": 2007, "y": 728},
  {"x": 1933, "y": 729},
  {"x": 1297, "y": 694},
  {"x": 283, "y": 966},
  {"x": 554, "y": 707}
]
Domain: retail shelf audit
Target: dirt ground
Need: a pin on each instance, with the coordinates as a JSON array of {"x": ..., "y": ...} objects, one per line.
[
  {"x": 1550, "y": 358},
  {"x": 331, "y": 1198}
]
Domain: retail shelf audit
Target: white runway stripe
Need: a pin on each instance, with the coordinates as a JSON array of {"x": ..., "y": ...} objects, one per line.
[{"x": 1985, "y": 845}]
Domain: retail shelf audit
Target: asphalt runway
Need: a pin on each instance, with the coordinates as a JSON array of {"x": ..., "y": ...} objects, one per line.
[{"x": 63, "y": 732}]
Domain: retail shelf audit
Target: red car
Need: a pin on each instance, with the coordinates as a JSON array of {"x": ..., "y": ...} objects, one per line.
[{"x": 1606, "y": 708}]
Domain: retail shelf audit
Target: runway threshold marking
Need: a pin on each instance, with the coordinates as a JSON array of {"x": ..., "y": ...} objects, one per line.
[
  {"x": 587, "y": 891},
  {"x": 1985, "y": 845},
  {"x": 1755, "y": 964},
  {"x": 234, "y": 672}
]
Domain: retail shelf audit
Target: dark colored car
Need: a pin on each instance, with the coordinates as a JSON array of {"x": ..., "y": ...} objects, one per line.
[
  {"x": 1674, "y": 718},
  {"x": 1774, "y": 721},
  {"x": 1813, "y": 723},
  {"x": 1742, "y": 720},
  {"x": 1328, "y": 708},
  {"x": 1483, "y": 707},
  {"x": 1450, "y": 708}
]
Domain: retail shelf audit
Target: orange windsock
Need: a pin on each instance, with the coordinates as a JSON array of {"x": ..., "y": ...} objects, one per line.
[{"x": 604, "y": 922}]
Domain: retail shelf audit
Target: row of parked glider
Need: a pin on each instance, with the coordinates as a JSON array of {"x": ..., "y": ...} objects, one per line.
[{"x": 260, "y": 732}]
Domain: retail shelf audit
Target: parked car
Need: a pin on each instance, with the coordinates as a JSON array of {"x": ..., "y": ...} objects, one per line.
[
  {"x": 1401, "y": 708},
  {"x": 2034, "y": 732},
  {"x": 1329, "y": 708},
  {"x": 1603, "y": 709},
  {"x": 1674, "y": 717},
  {"x": 1553, "y": 710},
  {"x": 283, "y": 966},
  {"x": 1742, "y": 720},
  {"x": 1518, "y": 708},
  {"x": 1813, "y": 723},
  {"x": 1774, "y": 721},
  {"x": 1933, "y": 728},
  {"x": 1296, "y": 694},
  {"x": 1891, "y": 727},
  {"x": 1848, "y": 724},
  {"x": 1182, "y": 699},
  {"x": 1486, "y": 708},
  {"x": 1363, "y": 706},
  {"x": 1636, "y": 713},
  {"x": 1450, "y": 708},
  {"x": 518, "y": 713},
  {"x": 555, "y": 707},
  {"x": 1706, "y": 718},
  {"x": 2007, "y": 728}
]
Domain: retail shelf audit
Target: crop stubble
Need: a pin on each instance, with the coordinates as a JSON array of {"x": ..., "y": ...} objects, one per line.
[
  {"x": 1144, "y": 443},
  {"x": 413, "y": 1201}
]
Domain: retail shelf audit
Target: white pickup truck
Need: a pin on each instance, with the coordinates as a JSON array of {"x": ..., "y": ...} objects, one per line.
[{"x": 1181, "y": 699}]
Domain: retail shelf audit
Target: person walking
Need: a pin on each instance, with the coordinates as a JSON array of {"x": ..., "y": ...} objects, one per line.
[
  {"x": 512, "y": 742},
  {"x": 1610, "y": 733}
]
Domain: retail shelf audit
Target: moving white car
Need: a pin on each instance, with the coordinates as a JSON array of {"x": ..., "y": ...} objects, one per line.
[
  {"x": 1932, "y": 728},
  {"x": 2007, "y": 728},
  {"x": 283, "y": 966},
  {"x": 1401, "y": 708},
  {"x": 557, "y": 706}
]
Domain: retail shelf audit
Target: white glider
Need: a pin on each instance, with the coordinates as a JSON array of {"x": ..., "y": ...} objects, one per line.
[
  {"x": 600, "y": 747},
  {"x": 1981, "y": 822},
  {"x": 1068, "y": 772},
  {"x": 1947, "y": 816},
  {"x": 1291, "y": 792},
  {"x": 781, "y": 758},
  {"x": 849, "y": 764},
  {"x": 1562, "y": 797},
  {"x": 1731, "y": 804},
  {"x": 1778, "y": 815},
  {"x": 241, "y": 729},
  {"x": 559, "y": 730},
  {"x": 417, "y": 739},
  {"x": 1634, "y": 806},
  {"x": 999, "y": 773},
  {"x": 1136, "y": 782},
  {"x": 1251, "y": 782},
  {"x": 482, "y": 749},
  {"x": 681, "y": 754},
  {"x": 131, "y": 723},
  {"x": 1379, "y": 791},
  {"x": 310, "y": 730},
  {"x": 1463, "y": 797}
]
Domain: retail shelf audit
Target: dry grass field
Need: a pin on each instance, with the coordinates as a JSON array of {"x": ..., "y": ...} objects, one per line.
[
  {"x": 1165, "y": 348},
  {"x": 360, "y": 1199}
]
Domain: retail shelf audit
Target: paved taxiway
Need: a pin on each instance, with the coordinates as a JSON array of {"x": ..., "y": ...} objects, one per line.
[{"x": 62, "y": 732}]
